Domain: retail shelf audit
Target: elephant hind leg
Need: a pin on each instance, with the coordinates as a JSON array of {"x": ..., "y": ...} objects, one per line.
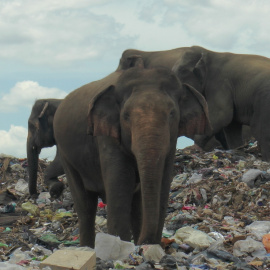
[
  {"x": 259, "y": 124},
  {"x": 85, "y": 203}
]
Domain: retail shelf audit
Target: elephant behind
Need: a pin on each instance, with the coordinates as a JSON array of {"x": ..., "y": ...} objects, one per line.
[
  {"x": 169, "y": 59},
  {"x": 237, "y": 90},
  {"x": 133, "y": 118},
  {"x": 41, "y": 135}
]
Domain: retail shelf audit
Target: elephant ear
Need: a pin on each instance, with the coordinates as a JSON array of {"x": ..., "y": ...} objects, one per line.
[
  {"x": 194, "y": 117},
  {"x": 103, "y": 114}
]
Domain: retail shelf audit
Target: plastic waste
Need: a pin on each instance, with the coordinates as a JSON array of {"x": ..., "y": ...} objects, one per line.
[
  {"x": 10, "y": 266},
  {"x": 44, "y": 198},
  {"x": 7, "y": 229},
  {"x": 152, "y": 252},
  {"x": 10, "y": 208},
  {"x": 109, "y": 247},
  {"x": 192, "y": 237},
  {"x": 102, "y": 265},
  {"x": 2, "y": 245},
  {"x": 16, "y": 167},
  {"x": 217, "y": 236},
  {"x": 31, "y": 208},
  {"x": 258, "y": 229},
  {"x": 61, "y": 215},
  {"x": 179, "y": 180},
  {"x": 169, "y": 261},
  {"x": 21, "y": 187},
  {"x": 251, "y": 176},
  {"x": 40, "y": 251},
  {"x": 241, "y": 165},
  {"x": 248, "y": 246},
  {"x": 50, "y": 238},
  {"x": 195, "y": 178},
  {"x": 101, "y": 204},
  {"x": 19, "y": 255},
  {"x": 229, "y": 220},
  {"x": 266, "y": 242},
  {"x": 101, "y": 221},
  {"x": 48, "y": 213}
]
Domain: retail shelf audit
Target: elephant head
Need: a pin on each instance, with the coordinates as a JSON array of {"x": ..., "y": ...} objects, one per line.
[
  {"x": 40, "y": 135},
  {"x": 145, "y": 112}
]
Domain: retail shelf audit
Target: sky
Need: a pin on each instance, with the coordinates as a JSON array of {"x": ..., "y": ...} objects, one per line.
[{"x": 49, "y": 48}]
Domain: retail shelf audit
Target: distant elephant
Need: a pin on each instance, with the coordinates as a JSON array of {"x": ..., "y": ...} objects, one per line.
[
  {"x": 168, "y": 59},
  {"x": 40, "y": 135},
  {"x": 134, "y": 119},
  {"x": 237, "y": 90}
]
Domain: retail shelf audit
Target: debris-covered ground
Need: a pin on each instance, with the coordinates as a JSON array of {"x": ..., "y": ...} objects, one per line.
[{"x": 217, "y": 217}]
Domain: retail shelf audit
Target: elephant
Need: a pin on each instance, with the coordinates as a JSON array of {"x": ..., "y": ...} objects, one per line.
[
  {"x": 40, "y": 135},
  {"x": 225, "y": 139},
  {"x": 237, "y": 90},
  {"x": 117, "y": 139}
]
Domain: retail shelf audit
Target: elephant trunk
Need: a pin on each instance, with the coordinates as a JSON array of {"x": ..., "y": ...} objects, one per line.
[
  {"x": 32, "y": 158},
  {"x": 150, "y": 152}
]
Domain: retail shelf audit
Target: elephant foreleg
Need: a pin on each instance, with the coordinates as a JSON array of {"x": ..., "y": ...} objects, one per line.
[
  {"x": 119, "y": 181},
  {"x": 136, "y": 215}
]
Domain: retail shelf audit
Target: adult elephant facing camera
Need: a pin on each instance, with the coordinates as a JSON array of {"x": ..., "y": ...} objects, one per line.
[
  {"x": 237, "y": 91},
  {"x": 133, "y": 121}
]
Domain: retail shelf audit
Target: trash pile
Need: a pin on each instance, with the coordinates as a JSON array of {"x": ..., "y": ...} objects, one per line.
[{"x": 218, "y": 217}]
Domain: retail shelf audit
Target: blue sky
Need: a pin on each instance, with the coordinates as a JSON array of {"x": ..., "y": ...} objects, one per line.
[{"x": 49, "y": 48}]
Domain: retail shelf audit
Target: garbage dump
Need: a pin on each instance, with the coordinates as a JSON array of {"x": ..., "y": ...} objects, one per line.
[{"x": 218, "y": 217}]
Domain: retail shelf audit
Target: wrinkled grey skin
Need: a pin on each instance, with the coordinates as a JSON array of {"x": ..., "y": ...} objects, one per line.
[
  {"x": 237, "y": 90},
  {"x": 133, "y": 118},
  {"x": 40, "y": 135},
  {"x": 226, "y": 139}
]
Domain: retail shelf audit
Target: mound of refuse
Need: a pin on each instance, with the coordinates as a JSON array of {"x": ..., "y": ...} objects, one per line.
[{"x": 217, "y": 217}]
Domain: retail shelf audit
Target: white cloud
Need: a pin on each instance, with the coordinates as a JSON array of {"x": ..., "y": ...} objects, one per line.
[
  {"x": 13, "y": 143},
  {"x": 60, "y": 33},
  {"x": 56, "y": 32},
  {"x": 233, "y": 25},
  {"x": 23, "y": 94}
]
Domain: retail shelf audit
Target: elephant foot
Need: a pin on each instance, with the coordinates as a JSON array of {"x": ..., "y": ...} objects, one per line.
[
  {"x": 34, "y": 196},
  {"x": 56, "y": 189}
]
